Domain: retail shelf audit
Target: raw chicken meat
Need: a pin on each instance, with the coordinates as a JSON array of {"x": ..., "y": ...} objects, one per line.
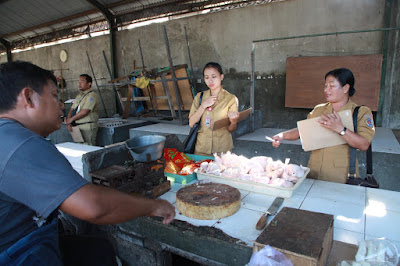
[
  {"x": 258, "y": 169},
  {"x": 262, "y": 160},
  {"x": 233, "y": 171}
]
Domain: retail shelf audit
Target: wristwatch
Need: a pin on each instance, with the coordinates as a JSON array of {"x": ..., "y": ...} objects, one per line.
[{"x": 343, "y": 132}]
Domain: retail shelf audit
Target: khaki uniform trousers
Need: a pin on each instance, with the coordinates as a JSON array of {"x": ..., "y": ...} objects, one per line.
[{"x": 89, "y": 133}]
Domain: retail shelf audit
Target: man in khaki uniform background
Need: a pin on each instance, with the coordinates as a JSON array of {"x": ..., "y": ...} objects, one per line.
[{"x": 84, "y": 111}]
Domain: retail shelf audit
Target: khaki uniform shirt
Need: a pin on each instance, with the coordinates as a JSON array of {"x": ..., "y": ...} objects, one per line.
[
  {"x": 220, "y": 140},
  {"x": 333, "y": 163},
  {"x": 90, "y": 102}
]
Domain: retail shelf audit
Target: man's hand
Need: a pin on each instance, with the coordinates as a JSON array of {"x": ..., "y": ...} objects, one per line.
[
  {"x": 165, "y": 210},
  {"x": 68, "y": 123}
]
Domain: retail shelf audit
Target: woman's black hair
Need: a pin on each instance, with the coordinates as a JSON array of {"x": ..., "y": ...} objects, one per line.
[
  {"x": 214, "y": 65},
  {"x": 344, "y": 76}
]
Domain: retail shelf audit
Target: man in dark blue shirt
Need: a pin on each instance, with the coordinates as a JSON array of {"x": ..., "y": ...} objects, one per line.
[{"x": 36, "y": 180}]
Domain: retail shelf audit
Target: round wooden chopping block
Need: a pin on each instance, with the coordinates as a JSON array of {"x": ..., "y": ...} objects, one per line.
[{"x": 208, "y": 201}]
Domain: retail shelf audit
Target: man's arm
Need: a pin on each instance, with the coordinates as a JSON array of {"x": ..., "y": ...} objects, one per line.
[
  {"x": 69, "y": 115},
  {"x": 101, "y": 205},
  {"x": 82, "y": 113}
]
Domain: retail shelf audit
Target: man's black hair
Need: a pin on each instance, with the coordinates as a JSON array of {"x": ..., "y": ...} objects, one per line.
[
  {"x": 88, "y": 78},
  {"x": 14, "y": 76}
]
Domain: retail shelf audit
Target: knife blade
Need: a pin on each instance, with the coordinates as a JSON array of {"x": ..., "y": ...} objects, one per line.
[{"x": 271, "y": 211}]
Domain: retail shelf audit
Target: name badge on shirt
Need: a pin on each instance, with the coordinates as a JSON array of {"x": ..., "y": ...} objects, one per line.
[{"x": 207, "y": 121}]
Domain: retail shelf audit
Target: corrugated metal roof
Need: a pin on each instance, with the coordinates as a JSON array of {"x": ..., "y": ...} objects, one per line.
[
  {"x": 23, "y": 22},
  {"x": 17, "y": 15}
]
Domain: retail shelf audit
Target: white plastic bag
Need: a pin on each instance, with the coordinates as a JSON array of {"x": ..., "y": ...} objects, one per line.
[
  {"x": 269, "y": 256},
  {"x": 375, "y": 252}
]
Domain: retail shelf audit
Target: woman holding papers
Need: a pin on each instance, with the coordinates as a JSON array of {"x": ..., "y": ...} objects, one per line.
[
  {"x": 216, "y": 104},
  {"x": 332, "y": 163}
]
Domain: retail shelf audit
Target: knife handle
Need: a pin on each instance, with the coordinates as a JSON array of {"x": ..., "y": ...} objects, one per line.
[{"x": 262, "y": 222}]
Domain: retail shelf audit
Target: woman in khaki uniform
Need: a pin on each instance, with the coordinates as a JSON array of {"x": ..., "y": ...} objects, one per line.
[
  {"x": 332, "y": 163},
  {"x": 216, "y": 104}
]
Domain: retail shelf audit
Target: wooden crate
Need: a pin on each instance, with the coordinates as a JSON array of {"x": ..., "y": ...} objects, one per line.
[
  {"x": 304, "y": 237},
  {"x": 184, "y": 89}
]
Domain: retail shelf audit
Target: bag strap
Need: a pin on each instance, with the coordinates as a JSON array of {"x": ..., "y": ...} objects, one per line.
[
  {"x": 369, "y": 160},
  {"x": 201, "y": 98},
  {"x": 352, "y": 171},
  {"x": 82, "y": 99}
]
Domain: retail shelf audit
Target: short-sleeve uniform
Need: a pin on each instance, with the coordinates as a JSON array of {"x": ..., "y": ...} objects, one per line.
[
  {"x": 35, "y": 178},
  {"x": 220, "y": 140},
  {"x": 333, "y": 163},
  {"x": 88, "y": 125}
]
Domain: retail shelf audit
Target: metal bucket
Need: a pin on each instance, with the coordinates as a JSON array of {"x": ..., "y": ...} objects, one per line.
[{"x": 146, "y": 148}]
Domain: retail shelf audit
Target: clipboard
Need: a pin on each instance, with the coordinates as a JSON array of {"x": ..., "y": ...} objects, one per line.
[
  {"x": 313, "y": 136},
  {"x": 77, "y": 135},
  {"x": 225, "y": 121}
]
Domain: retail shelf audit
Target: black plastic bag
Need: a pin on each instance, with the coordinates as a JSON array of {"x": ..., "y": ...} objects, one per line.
[
  {"x": 368, "y": 181},
  {"x": 190, "y": 141}
]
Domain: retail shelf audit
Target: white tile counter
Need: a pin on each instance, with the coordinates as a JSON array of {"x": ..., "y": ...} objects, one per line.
[
  {"x": 74, "y": 151},
  {"x": 359, "y": 213}
]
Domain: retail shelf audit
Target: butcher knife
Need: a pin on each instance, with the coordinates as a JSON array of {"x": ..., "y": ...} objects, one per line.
[{"x": 271, "y": 211}]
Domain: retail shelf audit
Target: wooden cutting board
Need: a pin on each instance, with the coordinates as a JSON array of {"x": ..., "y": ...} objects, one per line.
[
  {"x": 304, "y": 237},
  {"x": 208, "y": 201}
]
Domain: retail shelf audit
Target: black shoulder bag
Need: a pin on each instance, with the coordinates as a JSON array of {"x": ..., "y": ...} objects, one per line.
[
  {"x": 369, "y": 180},
  {"x": 190, "y": 141}
]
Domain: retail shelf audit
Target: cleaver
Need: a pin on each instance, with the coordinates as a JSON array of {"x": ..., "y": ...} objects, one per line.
[{"x": 271, "y": 211}]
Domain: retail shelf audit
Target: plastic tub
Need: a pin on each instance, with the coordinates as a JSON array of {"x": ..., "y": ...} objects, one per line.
[{"x": 255, "y": 187}]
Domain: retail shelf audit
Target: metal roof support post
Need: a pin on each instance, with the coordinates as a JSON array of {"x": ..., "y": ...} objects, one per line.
[
  {"x": 252, "y": 88},
  {"x": 191, "y": 66},
  {"x": 112, "y": 49},
  {"x": 113, "y": 26},
  {"x": 97, "y": 85},
  {"x": 120, "y": 108},
  {"x": 7, "y": 45},
  {"x": 141, "y": 54},
  {"x": 171, "y": 66},
  {"x": 385, "y": 44}
]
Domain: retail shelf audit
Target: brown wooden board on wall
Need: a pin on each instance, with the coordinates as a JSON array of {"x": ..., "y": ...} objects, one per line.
[
  {"x": 184, "y": 90},
  {"x": 305, "y": 78}
]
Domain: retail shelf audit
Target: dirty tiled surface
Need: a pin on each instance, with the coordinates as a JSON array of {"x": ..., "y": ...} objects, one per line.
[
  {"x": 359, "y": 213},
  {"x": 353, "y": 221}
]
